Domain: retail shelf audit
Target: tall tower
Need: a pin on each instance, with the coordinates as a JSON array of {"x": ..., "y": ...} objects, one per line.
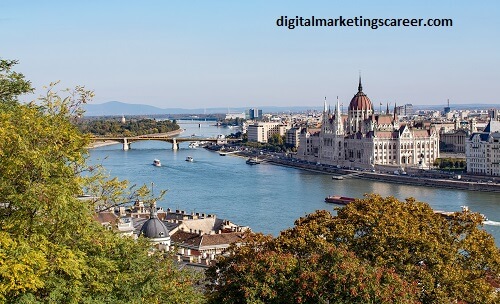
[
  {"x": 325, "y": 125},
  {"x": 360, "y": 109},
  {"x": 339, "y": 125}
]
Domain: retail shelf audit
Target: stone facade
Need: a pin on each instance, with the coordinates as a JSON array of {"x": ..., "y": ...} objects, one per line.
[
  {"x": 483, "y": 151},
  {"x": 365, "y": 139}
]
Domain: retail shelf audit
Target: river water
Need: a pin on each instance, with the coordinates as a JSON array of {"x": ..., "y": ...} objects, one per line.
[{"x": 266, "y": 197}]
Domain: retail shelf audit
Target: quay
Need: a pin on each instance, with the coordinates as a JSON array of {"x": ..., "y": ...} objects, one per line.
[{"x": 423, "y": 179}]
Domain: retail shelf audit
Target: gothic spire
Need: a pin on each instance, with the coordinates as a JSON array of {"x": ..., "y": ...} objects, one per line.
[{"x": 360, "y": 87}]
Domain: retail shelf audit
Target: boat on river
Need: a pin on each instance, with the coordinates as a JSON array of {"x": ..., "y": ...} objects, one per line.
[
  {"x": 339, "y": 200},
  {"x": 194, "y": 145},
  {"x": 156, "y": 163},
  {"x": 252, "y": 161},
  {"x": 189, "y": 159}
]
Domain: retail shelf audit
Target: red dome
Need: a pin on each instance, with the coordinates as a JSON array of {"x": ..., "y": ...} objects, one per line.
[{"x": 360, "y": 101}]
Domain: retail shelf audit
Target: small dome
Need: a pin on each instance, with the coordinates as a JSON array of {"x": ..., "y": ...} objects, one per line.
[
  {"x": 360, "y": 101},
  {"x": 154, "y": 229}
]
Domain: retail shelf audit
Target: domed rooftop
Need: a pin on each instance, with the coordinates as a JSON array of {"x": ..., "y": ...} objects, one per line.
[
  {"x": 154, "y": 228},
  {"x": 360, "y": 101}
]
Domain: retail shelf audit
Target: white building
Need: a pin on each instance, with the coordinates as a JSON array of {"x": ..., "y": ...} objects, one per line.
[
  {"x": 262, "y": 131},
  {"x": 365, "y": 139},
  {"x": 482, "y": 151},
  {"x": 235, "y": 115}
]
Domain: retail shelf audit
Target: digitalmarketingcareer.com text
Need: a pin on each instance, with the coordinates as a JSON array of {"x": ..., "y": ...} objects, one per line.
[{"x": 373, "y": 23}]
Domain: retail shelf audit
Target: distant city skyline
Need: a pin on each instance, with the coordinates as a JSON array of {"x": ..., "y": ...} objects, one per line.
[{"x": 232, "y": 54}]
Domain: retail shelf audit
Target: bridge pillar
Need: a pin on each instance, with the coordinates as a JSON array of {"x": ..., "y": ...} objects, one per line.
[
  {"x": 126, "y": 145},
  {"x": 175, "y": 145}
]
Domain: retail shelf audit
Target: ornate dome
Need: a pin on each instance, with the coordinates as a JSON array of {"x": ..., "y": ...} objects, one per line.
[
  {"x": 154, "y": 228},
  {"x": 360, "y": 101}
]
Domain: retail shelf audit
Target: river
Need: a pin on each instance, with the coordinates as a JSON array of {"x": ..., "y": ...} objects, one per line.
[{"x": 266, "y": 197}]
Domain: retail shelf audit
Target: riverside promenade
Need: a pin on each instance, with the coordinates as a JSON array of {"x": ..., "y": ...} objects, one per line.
[{"x": 425, "y": 178}]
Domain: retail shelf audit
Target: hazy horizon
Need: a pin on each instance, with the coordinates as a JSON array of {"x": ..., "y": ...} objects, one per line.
[{"x": 232, "y": 54}]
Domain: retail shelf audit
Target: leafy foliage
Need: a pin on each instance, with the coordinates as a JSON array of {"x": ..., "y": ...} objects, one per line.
[
  {"x": 268, "y": 270},
  {"x": 12, "y": 84},
  {"x": 376, "y": 250},
  {"x": 134, "y": 127},
  {"x": 51, "y": 249}
]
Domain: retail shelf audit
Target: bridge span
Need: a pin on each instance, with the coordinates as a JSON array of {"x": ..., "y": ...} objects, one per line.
[{"x": 127, "y": 141}]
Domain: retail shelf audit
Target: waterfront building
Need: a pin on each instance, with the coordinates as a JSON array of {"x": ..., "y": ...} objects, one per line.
[
  {"x": 262, "y": 131},
  {"x": 293, "y": 137},
  {"x": 364, "y": 139},
  {"x": 483, "y": 151}
]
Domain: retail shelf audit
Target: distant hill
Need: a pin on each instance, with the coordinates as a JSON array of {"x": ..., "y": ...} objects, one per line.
[
  {"x": 117, "y": 108},
  {"x": 120, "y": 108}
]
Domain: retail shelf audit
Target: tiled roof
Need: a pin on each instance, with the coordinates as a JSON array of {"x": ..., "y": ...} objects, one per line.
[
  {"x": 106, "y": 217},
  {"x": 221, "y": 239},
  {"x": 206, "y": 240},
  {"x": 384, "y": 119},
  {"x": 421, "y": 133},
  {"x": 387, "y": 134},
  {"x": 206, "y": 224}
]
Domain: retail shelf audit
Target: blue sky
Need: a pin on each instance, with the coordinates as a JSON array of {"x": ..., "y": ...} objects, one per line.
[{"x": 193, "y": 54}]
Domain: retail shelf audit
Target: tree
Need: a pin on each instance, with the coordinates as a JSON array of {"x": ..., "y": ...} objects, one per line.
[
  {"x": 51, "y": 249},
  {"x": 371, "y": 249},
  {"x": 449, "y": 258},
  {"x": 12, "y": 84}
]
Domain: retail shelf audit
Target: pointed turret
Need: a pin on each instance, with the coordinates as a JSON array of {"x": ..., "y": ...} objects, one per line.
[
  {"x": 325, "y": 106},
  {"x": 360, "y": 87},
  {"x": 339, "y": 128}
]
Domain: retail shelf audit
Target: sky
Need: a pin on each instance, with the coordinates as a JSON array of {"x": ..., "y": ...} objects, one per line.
[{"x": 202, "y": 54}]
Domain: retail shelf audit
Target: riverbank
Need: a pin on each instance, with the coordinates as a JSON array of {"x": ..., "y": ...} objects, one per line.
[
  {"x": 97, "y": 144},
  {"x": 413, "y": 180}
]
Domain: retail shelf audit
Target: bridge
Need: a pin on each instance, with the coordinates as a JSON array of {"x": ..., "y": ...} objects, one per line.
[{"x": 126, "y": 141}]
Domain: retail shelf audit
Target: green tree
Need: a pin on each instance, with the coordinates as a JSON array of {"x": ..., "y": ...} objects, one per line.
[
  {"x": 343, "y": 259},
  {"x": 51, "y": 249},
  {"x": 301, "y": 267},
  {"x": 12, "y": 84}
]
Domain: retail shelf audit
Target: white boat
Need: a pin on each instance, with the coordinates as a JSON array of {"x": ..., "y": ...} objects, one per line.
[
  {"x": 193, "y": 145},
  {"x": 189, "y": 159},
  {"x": 156, "y": 163}
]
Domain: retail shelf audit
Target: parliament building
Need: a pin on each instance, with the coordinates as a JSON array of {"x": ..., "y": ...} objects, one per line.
[{"x": 363, "y": 139}]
